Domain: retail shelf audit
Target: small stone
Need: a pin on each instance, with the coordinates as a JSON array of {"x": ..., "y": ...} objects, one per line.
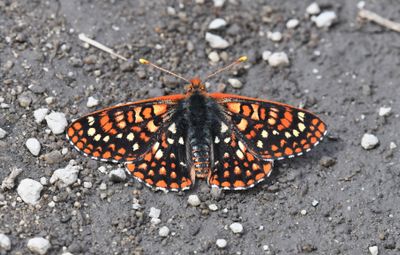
[
  {"x": 40, "y": 114},
  {"x": 266, "y": 54},
  {"x": 57, "y": 122},
  {"x": 221, "y": 243},
  {"x": 385, "y": 111},
  {"x": 154, "y": 213},
  {"x": 219, "y": 3},
  {"x": 24, "y": 100},
  {"x": 325, "y": 19},
  {"x": 92, "y": 102},
  {"x": 43, "y": 181},
  {"x": 313, "y": 9},
  {"x": 103, "y": 186},
  {"x": 373, "y": 250},
  {"x": 213, "y": 207},
  {"x": 392, "y": 145},
  {"x": 171, "y": 11},
  {"x": 64, "y": 177},
  {"x": 278, "y": 59},
  {"x": 51, "y": 204},
  {"x": 303, "y": 212},
  {"x": 216, "y": 41},
  {"x": 217, "y": 24},
  {"x": 3, "y": 133},
  {"x": 53, "y": 157},
  {"x": 266, "y": 247},
  {"x": 49, "y": 100},
  {"x": 164, "y": 231},
  {"x": 117, "y": 175},
  {"x": 194, "y": 200},
  {"x": 235, "y": 83},
  {"x": 38, "y": 245},
  {"x": 236, "y": 227},
  {"x": 314, "y": 203},
  {"x": 292, "y": 23},
  {"x": 327, "y": 161},
  {"x": 128, "y": 66},
  {"x": 275, "y": 36},
  {"x": 200, "y": 1},
  {"x": 213, "y": 56},
  {"x": 361, "y": 5},
  {"x": 155, "y": 221},
  {"x": 87, "y": 185},
  {"x": 90, "y": 60},
  {"x": 29, "y": 191},
  {"x": 33, "y": 146},
  {"x": 369, "y": 141},
  {"x": 5, "y": 243}
]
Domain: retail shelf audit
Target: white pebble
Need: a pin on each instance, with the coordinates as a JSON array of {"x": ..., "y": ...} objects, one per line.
[
  {"x": 29, "y": 191},
  {"x": 164, "y": 231},
  {"x": 155, "y": 221},
  {"x": 314, "y": 203},
  {"x": 216, "y": 41},
  {"x": 373, "y": 250},
  {"x": 171, "y": 11},
  {"x": 235, "y": 83},
  {"x": 194, "y": 200},
  {"x": 217, "y": 24},
  {"x": 369, "y": 141},
  {"x": 213, "y": 56},
  {"x": 57, "y": 122},
  {"x": 92, "y": 102},
  {"x": 33, "y": 146},
  {"x": 200, "y": 1},
  {"x": 266, "y": 247},
  {"x": 384, "y": 111},
  {"x": 213, "y": 207},
  {"x": 274, "y": 36},
  {"x": 303, "y": 212},
  {"x": 392, "y": 145},
  {"x": 3, "y": 133},
  {"x": 43, "y": 181},
  {"x": 278, "y": 59},
  {"x": 154, "y": 213},
  {"x": 40, "y": 114},
  {"x": 87, "y": 185},
  {"x": 313, "y": 9},
  {"x": 361, "y": 5},
  {"x": 5, "y": 243},
  {"x": 51, "y": 204},
  {"x": 236, "y": 227},
  {"x": 64, "y": 177},
  {"x": 325, "y": 19},
  {"x": 219, "y": 3},
  {"x": 221, "y": 243},
  {"x": 38, "y": 245},
  {"x": 292, "y": 23},
  {"x": 266, "y": 54},
  {"x": 117, "y": 175}
]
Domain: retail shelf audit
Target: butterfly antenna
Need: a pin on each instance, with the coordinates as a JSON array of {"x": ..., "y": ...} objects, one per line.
[
  {"x": 238, "y": 61},
  {"x": 146, "y": 62}
]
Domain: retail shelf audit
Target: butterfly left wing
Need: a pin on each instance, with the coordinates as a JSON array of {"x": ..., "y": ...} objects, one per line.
[{"x": 271, "y": 130}]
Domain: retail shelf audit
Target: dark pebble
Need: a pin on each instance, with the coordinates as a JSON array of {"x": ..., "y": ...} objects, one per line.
[{"x": 327, "y": 161}]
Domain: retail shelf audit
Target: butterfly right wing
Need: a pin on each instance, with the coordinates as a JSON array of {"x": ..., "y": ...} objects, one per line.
[{"x": 123, "y": 133}]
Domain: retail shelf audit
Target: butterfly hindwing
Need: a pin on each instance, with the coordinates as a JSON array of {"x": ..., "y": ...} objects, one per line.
[
  {"x": 270, "y": 129},
  {"x": 124, "y": 132}
]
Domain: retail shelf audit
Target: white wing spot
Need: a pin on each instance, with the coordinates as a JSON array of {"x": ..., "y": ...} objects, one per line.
[
  {"x": 224, "y": 127},
  {"x": 170, "y": 140},
  {"x": 159, "y": 154},
  {"x": 301, "y": 116},
  {"x": 91, "y": 131},
  {"x": 227, "y": 140},
  {"x": 241, "y": 146},
  {"x": 216, "y": 140},
  {"x": 135, "y": 147},
  {"x": 226, "y": 155},
  {"x": 130, "y": 137},
  {"x": 264, "y": 134},
  {"x": 181, "y": 140},
  {"x": 288, "y": 135},
  {"x": 106, "y": 138},
  {"x": 155, "y": 146},
  {"x": 119, "y": 135},
  {"x": 260, "y": 144},
  {"x": 90, "y": 120},
  {"x": 172, "y": 128},
  {"x": 301, "y": 127},
  {"x": 97, "y": 137},
  {"x": 296, "y": 133},
  {"x": 240, "y": 154},
  {"x": 275, "y": 132}
]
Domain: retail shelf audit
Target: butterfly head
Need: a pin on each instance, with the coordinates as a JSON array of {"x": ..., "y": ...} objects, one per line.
[{"x": 195, "y": 85}]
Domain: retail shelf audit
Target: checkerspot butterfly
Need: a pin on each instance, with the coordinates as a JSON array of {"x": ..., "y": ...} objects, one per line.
[{"x": 167, "y": 142}]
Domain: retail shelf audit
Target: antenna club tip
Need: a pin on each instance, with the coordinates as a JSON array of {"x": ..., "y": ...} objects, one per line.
[
  {"x": 243, "y": 59},
  {"x": 143, "y": 61}
]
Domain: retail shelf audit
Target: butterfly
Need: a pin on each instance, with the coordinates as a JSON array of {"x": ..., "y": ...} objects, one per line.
[{"x": 169, "y": 141}]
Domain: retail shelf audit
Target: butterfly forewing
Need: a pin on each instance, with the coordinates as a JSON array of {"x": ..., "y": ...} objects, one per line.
[
  {"x": 125, "y": 132},
  {"x": 270, "y": 129}
]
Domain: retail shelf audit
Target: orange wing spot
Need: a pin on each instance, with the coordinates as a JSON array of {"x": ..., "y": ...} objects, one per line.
[
  {"x": 248, "y": 136},
  {"x": 274, "y": 109},
  {"x": 151, "y": 173},
  {"x": 271, "y": 121},
  {"x": 151, "y": 126},
  {"x": 258, "y": 126},
  {"x": 262, "y": 113},
  {"x": 215, "y": 182},
  {"x": 119, "y": 116},
  {"x": 242, "y": 125},
  {"x": 281, "y": 127},
  {"x": 173, "y": 165},
  {"x": 104, "y": 120},
  {"x": 90, "y": 146},
  {"x": 117, "y": 157},
  {"x": 255, "y": 167},
  {"x": 162, "y": 171},
  {"x": 312, "y": 128},
  {"x": 138, "y": 174},
  {"x": 297, "y": 150},
  {"x": 130, "y": 116},
  {"x": 107, "y": 126},
  {"x": 159, "y": 109},
  {"x": 148, "y": 156},
  {"x": 107, "y": 154},
  {"x": 153, "y": 164},
  {"x": 236, "y": 162},
  {"x": 79, "y": 145},
  {"x": 122, "y": 151},
  {"x": 74, "y": 139},
  {"x": 321, "y": 127},
  {"x": 237, "y": 170},
  {"x": 318, "y": 134},
  {"x": 80, "y": 132},
  {"x": 304, "y": 141},
  {"x": 77, "y": 126},
  {"x": 136, "y": 129},
  {"x": 288, "y": 151},
  {"x": 143, "y": 166},
  {"x": 147, "y": 112},
  {"x": 248, "y": 173},
  {"x": 273, "y": 114},
  {"x": 71, "y": 132},
  {"x": 83, "y": 140},
  {"x": 246, "y": 164},
  {"x": 288, "y": 116},
  {"x": 259, "y": 176},
  {"x": 121, "y": 124},
  {"x": 315, "y": 122},
  {"x": 163, "y": 163},
  {"x": 226, "y": 165},
  {"x": 226, "y": 174},
  {"x": 138, "y": 118},
  {"x": 113, "y": 132},
  {"x": 96, "y": 154},
  {"x": 149, "y": 181},
  {"x": 253, "y": 133},
  {"x": 306, "y": 146},
  {"x": 225, "y": 184},
  {"x": 274, "y": 147},
  {"x": 87, "y": 151},
  {"x": 164, "y": 144},
  {"x": 112, "y": 147},
  {"x": 250, "y": 157},
  {"x": 238, "y": 184},
  {"x": 278, "y": 154},
  {"x": 313, "y": 140},
  {"x": 255, "y": 116},
  {"x": 129, "y": 158},
  {"x": 283, "y": 142},
  {"x": 173, "y": 175},
  {"x": 234, "y": 107},
  {"x": 131, "y": 167},
  {"x": 285, "y": 122},
  {"x": 250, "y": 182},
  {"x": 174, "y": 185},
  {"x": 267, "y": 168},
  {"x": 185, "y": 182},
  {"x": 246, "y": 110},
  {"x": 144, "y": 137}
]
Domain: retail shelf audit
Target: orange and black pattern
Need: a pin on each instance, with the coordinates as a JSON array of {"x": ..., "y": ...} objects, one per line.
[{"x": 168, "y": 142}]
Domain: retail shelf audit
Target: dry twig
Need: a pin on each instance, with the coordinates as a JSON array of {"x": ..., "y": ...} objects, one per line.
[
  {"x": 96, "y": 44},
  {"x": 372, "y": 16}
]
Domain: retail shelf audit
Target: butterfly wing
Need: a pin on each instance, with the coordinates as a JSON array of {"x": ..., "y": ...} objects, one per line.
[
  {"x": 123, "y": 133},
  {"x": 271, "y": 130}
]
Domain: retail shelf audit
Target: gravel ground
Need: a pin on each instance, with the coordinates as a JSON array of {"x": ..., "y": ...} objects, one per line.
[{"x": 338, "y": 199}]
